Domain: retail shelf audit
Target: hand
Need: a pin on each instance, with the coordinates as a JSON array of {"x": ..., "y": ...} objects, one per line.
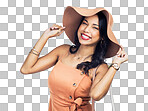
[
  {"x": 53, "y": 31},
  {"x": 120, "y": 57}
]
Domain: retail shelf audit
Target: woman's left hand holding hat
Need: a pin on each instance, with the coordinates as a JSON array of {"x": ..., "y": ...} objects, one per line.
[{"x": 120, "y": 57}]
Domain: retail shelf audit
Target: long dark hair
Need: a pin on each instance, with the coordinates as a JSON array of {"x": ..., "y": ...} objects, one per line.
[{"x": 99, "y": 54}]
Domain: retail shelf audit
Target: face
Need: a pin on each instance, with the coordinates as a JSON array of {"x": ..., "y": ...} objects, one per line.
[{"x": 88, "y": 32}]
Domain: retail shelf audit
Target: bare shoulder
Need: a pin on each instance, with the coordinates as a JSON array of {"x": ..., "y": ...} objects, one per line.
[
  {"x": 62, "y": 49},
  {"x": 102, "y": 69},
  {"x": 100, "y": 73}
]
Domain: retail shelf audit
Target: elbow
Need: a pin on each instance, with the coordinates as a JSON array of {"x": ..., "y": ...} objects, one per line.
[
  {"x": 24, "y": 71},
  {"x": 94, "y": 96},
  {"x": 97, "y": 96}
]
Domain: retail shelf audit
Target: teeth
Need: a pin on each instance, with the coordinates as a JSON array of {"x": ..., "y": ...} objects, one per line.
[{"x": 85, "y": 36}]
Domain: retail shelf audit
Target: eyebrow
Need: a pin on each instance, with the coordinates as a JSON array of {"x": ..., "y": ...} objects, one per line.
[{"x": 93, "y": 24}]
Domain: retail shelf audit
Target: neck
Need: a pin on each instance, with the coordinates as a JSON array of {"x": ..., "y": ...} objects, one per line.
[{"x": 85, "y": 51}]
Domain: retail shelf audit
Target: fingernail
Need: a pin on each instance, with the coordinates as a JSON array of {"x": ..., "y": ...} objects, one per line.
[{"x": 56, "y": 28}]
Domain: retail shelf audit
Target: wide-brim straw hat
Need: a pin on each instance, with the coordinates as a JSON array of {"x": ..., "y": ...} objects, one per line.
[{"x": 72, "y": 18}]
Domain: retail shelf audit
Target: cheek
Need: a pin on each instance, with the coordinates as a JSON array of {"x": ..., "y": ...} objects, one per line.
[
  {"x": 79, "y": 30},
  {"x": 96, "y": 34},
  {"x": 78, "y": 33}
]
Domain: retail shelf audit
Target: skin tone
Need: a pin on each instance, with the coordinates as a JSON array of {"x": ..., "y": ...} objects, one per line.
[
  {"x": 89, "y": 27},
  {"x": 104, "y": 76}
]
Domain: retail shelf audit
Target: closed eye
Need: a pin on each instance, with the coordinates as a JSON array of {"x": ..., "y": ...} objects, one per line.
[
  {"x": 84, "y": 23},
  {"x": 95, "y": 28}
]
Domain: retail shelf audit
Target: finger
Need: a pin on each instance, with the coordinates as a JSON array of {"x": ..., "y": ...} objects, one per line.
[
  {"x": 63, "y": 28},
  {"x": 57, "y": 27},
  {"x": 124, "y": 55},
  {"x": 119, "y": 51},
  {"x": 53, "y": 26},
  {"x": 125, "y": 58},
  {"x": 124, "y": 52},
  {"x": 122, "y": 47},
  {"x": 120, "y": 54},
  {"x": 60, "y": 33}
]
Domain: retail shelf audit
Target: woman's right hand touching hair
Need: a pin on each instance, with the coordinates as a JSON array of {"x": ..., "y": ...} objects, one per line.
[
  {"x": 33, "y": 62},
  {"x": 55, "y": 30}
]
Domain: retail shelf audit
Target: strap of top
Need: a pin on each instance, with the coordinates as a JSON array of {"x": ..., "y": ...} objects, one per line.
[{"x": 93, "y": 101}]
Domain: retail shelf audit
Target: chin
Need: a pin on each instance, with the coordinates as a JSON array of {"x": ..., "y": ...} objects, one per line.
[
  {"x": 90, "y": 43},
  {"x": 82, "y": 42}
]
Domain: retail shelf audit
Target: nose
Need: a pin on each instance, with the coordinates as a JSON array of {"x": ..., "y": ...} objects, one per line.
[{"x": 86, "y": 29}]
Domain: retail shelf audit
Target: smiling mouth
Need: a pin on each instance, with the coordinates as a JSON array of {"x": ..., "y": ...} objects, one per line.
[{"x": 85, "y": 37}]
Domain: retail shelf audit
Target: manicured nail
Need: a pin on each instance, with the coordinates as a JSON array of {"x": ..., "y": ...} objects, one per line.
[{"x": 56, "y": 28}]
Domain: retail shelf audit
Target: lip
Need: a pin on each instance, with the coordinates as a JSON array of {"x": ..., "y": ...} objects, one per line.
[
  {"x": 86, "y": 35},
  {"x": 85, "y": 38}
]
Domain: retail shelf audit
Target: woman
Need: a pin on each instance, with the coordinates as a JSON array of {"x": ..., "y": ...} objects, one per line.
[{"x": 71, "y": 80}]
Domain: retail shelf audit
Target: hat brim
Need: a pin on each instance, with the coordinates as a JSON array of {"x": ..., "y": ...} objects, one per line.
[{"x": 72, "y": 18}]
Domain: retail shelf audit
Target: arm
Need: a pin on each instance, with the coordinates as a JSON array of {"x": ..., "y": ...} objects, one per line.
[
  {"x": 102, "y": 82},
  {"x": 32, "y": 58},
  {"x": 34, "y": 64},
  {"x": 105, "y": 76}
]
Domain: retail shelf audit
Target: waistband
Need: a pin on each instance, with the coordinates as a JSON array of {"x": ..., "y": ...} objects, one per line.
[{"x": 72, "y": 104}]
